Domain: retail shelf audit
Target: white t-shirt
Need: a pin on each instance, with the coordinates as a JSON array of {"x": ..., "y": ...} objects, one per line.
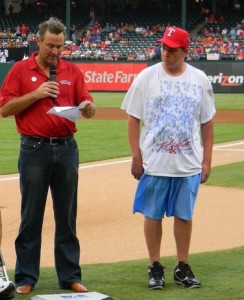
[{"x": 171, "y": 110}]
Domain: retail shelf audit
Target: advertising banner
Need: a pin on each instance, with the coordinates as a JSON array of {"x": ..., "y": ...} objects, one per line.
[
  {"x": 224, "y": 77},
  {"x": 111, "y": 76}
]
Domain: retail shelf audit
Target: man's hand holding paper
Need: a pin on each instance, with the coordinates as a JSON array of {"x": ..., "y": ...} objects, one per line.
[{"x": 86, "y": 108}]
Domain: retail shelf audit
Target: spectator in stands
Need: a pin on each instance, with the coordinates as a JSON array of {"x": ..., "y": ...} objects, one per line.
[
  {"x": 18, "y": 31},
  {"x": 233, "y": 33},
  {"x": 231, "y": 47},
  {"x": 82, "y": 39},
  {"x": 221, "y": 19},
  {"x": 224, "y": 31},
  {"x": 211, "y": 18},
  {"x": 11, "y": 9},
  {"x": 132, "y": 56},
  {"x": 240, "y": 32},
  {"x": 157, "y": 51},
  {"x": 3, "y": 56},
  {"x": 118, "y": 37},
  {"x": 115, "y": 55},
  {"x": 206, "y": 13},
  {"x": 107, "y": 41},
  {"x": 106, "y": 28},
  {"x": 92, "y": 9},
  {"x": 126, "y": 41},
  {"x": 150, "y": 52},
  {"x": 141, "y": 56},
  {"x": 98, "y": 37},
  {"x": 218, "y": 29},
  {"x": 24, "y": 31},
  {"x": 66, "y": 52},
  {"x": 25, "y": 56},
  {"x": 206, "y": 31},
  {"x": 92, "y": 37},
  {"x": 139, "y": 29},
  {"x": 155, "y": 29},
  {"x": 104, "y": 45},
  {"x": 161, "y": 28},
  {"x": 240, "y": 55},
  {"x": 73, "y": 33},
  {"x": 8, "y": 33},
  {"x": 108, "y": 55}
]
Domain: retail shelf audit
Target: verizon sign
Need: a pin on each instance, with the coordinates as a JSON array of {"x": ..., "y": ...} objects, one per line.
[
  {"x": 227, "y": 80},
  {"x": 110, "y": 77},
  {"x": 224, "y": 77}
]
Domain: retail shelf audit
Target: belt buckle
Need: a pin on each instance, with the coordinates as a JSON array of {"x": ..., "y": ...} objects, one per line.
[{"x": 52, "y": 139}]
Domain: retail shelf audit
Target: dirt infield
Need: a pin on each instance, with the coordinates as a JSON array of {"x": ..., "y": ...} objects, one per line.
[
  {"x": 107, "y": 230},
  {"x": 222, "y": 116}
]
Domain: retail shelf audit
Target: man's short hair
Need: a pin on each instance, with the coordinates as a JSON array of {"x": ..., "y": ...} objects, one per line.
[{"x": 53, "y": 25}]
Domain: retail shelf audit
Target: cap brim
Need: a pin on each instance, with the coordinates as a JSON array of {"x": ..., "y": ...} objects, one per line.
[{"x": 159, "y": 41}]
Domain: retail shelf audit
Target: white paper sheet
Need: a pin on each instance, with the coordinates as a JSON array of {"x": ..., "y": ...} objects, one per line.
[
  {"x": 76, "y": 296},
  {"x": 71, "y": 113}
]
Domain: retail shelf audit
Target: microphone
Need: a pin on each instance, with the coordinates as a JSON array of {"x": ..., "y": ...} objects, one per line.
[{"x": 53, "y": 73}]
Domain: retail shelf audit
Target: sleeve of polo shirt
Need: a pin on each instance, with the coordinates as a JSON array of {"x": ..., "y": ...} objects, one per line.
[{"x": 10, "y": 87}]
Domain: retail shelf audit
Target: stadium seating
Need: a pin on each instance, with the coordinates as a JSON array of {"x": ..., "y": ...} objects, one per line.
[{"x": 138, "y": 43}]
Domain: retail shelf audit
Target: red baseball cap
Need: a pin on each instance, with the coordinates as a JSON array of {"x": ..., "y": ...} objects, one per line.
[{"x": 175, "y": 37}]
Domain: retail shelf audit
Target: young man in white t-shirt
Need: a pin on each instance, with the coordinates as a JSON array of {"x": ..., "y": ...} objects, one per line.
[{"x": 170, "y": 108}]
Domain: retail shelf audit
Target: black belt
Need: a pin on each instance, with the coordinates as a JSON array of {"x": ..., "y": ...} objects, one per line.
[{"x": 50, "y": 140}]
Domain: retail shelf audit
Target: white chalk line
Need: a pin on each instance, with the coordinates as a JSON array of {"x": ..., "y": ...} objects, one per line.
[
  {"x": 116, "y": 162},
  {"x": 228, "y": 145},
  {"x": 81, "y": 167}
]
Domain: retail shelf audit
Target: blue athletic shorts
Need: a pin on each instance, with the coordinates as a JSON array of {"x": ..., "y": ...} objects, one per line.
[{"x": 157, "y": 196}]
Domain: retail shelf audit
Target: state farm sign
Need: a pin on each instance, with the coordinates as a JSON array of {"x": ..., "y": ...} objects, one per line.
[{"x": 111, "y": 76}]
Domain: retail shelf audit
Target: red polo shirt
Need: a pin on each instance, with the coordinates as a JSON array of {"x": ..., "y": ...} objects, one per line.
[{"x": 24, "y": 77}]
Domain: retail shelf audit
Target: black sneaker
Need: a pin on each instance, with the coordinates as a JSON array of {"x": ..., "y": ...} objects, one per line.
[
  {"x": 7, "y": 289},
  {"x": 156, "y": 276},
  {"x": 184, "y": 276}
]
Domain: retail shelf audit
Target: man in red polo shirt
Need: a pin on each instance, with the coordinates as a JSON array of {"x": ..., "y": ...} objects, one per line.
[{"x": 48, "y": 155}]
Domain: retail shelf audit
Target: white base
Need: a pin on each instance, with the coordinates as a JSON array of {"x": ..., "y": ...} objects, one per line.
[{"x": 77, "y": 296}]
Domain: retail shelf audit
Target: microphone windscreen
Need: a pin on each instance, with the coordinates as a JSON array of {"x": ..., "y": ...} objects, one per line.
[{"x": 53, "y": 72}]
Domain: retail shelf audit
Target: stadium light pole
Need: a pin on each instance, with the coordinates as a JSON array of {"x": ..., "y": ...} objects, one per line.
[
  {"x": 183, "y": 14},
  {"x": 68, "y": 19}
]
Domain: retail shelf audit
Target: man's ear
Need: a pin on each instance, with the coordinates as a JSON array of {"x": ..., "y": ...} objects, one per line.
[
  {"x": 37, "y": 39},
  {"x": 185, "y": 51}
]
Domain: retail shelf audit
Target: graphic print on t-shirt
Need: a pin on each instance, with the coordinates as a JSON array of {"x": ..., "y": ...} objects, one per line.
[{"x": 171, "y": 115}]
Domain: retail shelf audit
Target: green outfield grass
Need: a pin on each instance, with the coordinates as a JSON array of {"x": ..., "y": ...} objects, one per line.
[
  {"x": 97, "y": 140},
  {"x": 230, "y": 175},
  {"x": 101, "y": 139},
  {"x": 220, "y": 272},
  {"x": 222, "y": 101}
]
